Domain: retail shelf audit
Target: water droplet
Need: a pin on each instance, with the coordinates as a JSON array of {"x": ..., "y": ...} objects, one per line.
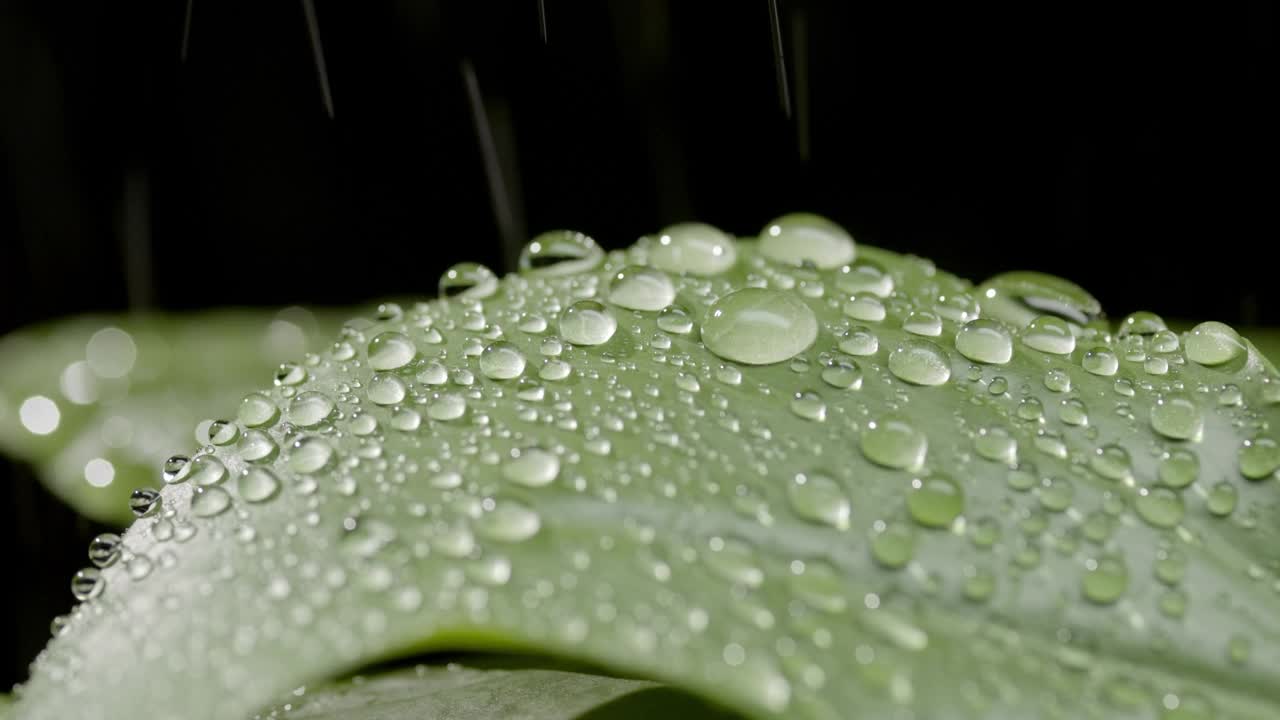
[
  {"x": 641, "y": 288},
  {"x": 800, "y": 238},
  {"x": 935, "y": 501},
  {"x": 1100, "y": 361},
  {"x": 1030, "y": 409},
  {"x": 1105, "y": 580},
  {"x": 1259, "y": 458},
  {"x": 866, "y": 308},
  {"x": 209, "y": 501},
  {"x": 587, "y": 322},
  {"x": 532, "y": 467},
  {"x": 756, "y": 326},
  {"x": 1213, "y": 343},
  {"x": 695, "y": 248},
  {"x": 809, "y": 405},
  {"x": 257, "y": 410},
  {"x": 175, "y": 469},
  {"x": 1074, "y": 413},
  {"x": 997, "y": 444},
  {"x": 87, "y": 584},
  {"x": 391, "y": 351},
  {"x": 1113, "y": 462},
  {"x": 447, "y": 406},
  {"x": 920, "y": 362},
  {"x": 842, "y": 373},
  {"x": 859, "y": 340},
  {"x": 894, "y": 444},
  {"x": 560, "y": 252},
  {"x": 924, "y": 323},
  {"x": 257, "y": 447},
  {"x": 468, "y": 280},
  {"x": 1164, "y": 341},
  {"x": 1018, "y": 297},
  {"x": 105, "y": 549},
  {"x": 386, "y": 389},
  {"x": 509, "y": 521},
  {"x": 734, "y": 561},
  {"x": 1160, "y": 507},
  {"x": 206, "y": 470},
  {"x": 893, "y": 545},
  {"x": 1049, "y": 334},
  {"x": 144, "y": 502},
  {"x": 502, "y": 361},
  {"x": 1057, "y": 381},
  {"x": 290, "y": 374},
  {"x": 1177, "y": 417},
  {"x": 985, "y": 341},
  {"x": 864, "y": 279},
  {"x": 310, "y": 408},
  {"x": 310, "y": 455},
  {"x": 1179, "y": 468},
  {"x": 675, "y": 319},
  {"x": 257, "y": 485},
  {"x": 818, "y": 498},
  {"x": 1222, "y": 499},
  {"x": 223, "y": 432},
  {"x": 1141, "y": 323}
]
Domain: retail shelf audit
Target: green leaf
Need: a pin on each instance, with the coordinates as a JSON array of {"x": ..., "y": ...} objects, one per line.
[
  {"x": 805, "y": 501},
  {"x": 109, "y": 398},
  {"x": 484, "y": 688}
]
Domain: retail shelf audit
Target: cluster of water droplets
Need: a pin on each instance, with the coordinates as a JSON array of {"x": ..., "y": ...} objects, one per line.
[{"x": 740, "y": 464}]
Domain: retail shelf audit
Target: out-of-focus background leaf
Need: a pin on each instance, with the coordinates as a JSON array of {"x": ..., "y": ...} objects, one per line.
[{"x": 96, "y": 404}]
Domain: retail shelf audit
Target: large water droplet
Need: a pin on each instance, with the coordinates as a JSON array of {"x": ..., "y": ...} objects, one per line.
[
  {"x": 1213, "y": 343},
  {"x": 985, "y": 341},
  {"x": 468, "y": 280},
  {"x": 391, "y": 351},
  {"x": 920, "y": 362},
  {"x": 144, "y": 502},
  {"x": 894, "y": 444},
  {"x": 1100, "y": 361},
  {"x": 501, "y": 361},
  {"x": 257, "y": 410},
  {"x": 641, "y": 288},
  {"x": 1179, "y": 468},
  {"x": 209, "y": 501},
  {"x": 864, "y": 279},
  {"x": 206, "y": 470},
  {"x": 310, "y": 408},
  {"x": 756, "y": 326},
  {"x": 386, "y": 389},
  {"x": 800, "y": 238},
  {"x": 509, "y": 521},
  {"x": 1105, "y": 579},
  {"x": 1018, "y": 297},
  {"x": 925, "y": 323},
  {"x": 809, "y": 405},
  {"x": 997, "y": 444},
  {"x": 587, "y": 322},
  {"x": 257, "y": 485},
  {"x": 935, "y": 501},
  {"x": 87, "y": 584},
  {"x": 818, "y": 498},
  {"x": 893, "y": 545},
  {"x": 1259, "y": 458},
  {"x": 695, "y": 248},
  {"x": 1159, "y": 507},
  {"x": 310, "y": 455},
  {"x": 105, "y": 549},
  {"x": 532, "y": 467},
  {"x": 1177, "y": 417},
  {"x": 1049, "y": 334},
  {"x": 560, "y": 252}
]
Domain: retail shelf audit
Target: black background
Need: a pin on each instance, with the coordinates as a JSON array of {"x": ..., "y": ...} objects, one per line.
[{"x": 1128, "y": 147}]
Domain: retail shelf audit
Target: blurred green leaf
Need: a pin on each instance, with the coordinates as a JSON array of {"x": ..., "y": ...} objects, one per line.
[
  {"x": 108, "y": 398},
  {"x": 901, "y": 513}
]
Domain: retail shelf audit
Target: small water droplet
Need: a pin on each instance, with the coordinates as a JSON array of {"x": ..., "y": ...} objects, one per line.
[
  {"x": 809, "y": 405},
  {"x": 310, "y": 408},
  {"x": 385, "y": 389},
  {"x": 206, "y": 470},
  {"x": 257, "y": 447},
  {"x": 859, "y": 340},
  {"x": 310, "y": 455},
  {"x": 257, "y": 410},
  {"x": 1057, "y": 381},
  {"x": 1179, "y": 468},
  {"x": 864, "y": 279},
  {"x": 924, "y": 323},
  {"x": 1159, "y": 507},
  {"x": 223, "y": 432},
  {"x": 290, "y": 374},
  {"x": 866, "y": 308},
  {"x": 391, "y": 351},
  {"x": 1177, "y": 417},
  {"x": 893, "y": 545},
  {"x": 87, "y": 584},
  {"x": 997, "y": 444},
  {"x": 1100, "y": 361},
  {"x": 105, "y": 549},
  {"x": 509, "y": 521},
  {"x": 1113, "y": 463},
  {"x": 1259, "y": 458},
  {"x": 842, "y": 373},
  {"x": 1222, "y": 499},
  {"x": 144, "y": 502},
  {"x": 1106, "y": 580},
  {"x": 175, "y": 469}
]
